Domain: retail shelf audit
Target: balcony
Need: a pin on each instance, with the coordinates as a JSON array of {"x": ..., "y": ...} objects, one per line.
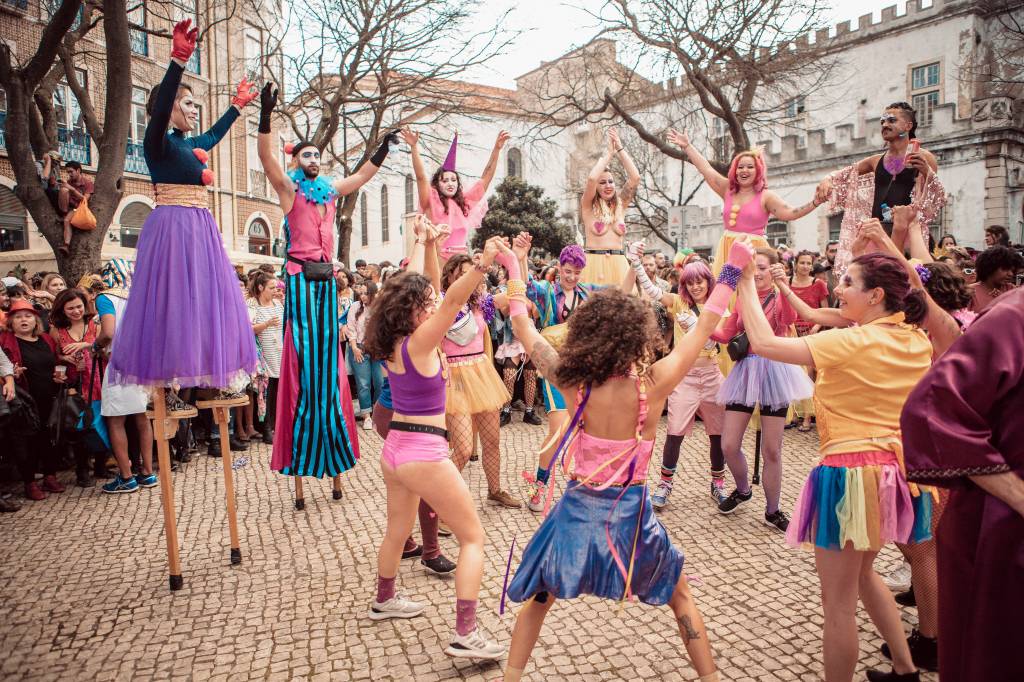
[
  {"x": 74, "y": 145},
  {"x": 134, "y": 160}
]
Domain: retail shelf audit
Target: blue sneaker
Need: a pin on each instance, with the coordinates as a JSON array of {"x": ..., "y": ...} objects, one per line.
[
  {"x": 659, "y": 498},
  {"x": 121, "y": 485},
  {"x": 146, "y": 480}
]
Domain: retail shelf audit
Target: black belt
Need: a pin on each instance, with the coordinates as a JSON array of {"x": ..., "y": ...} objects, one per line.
[
  {"x": 418, "y": 428},
  {"x": 606, "y": 252}
]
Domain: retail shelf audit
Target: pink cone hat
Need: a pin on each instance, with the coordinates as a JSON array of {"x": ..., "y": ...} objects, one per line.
[{"x": 449, "y": 162}]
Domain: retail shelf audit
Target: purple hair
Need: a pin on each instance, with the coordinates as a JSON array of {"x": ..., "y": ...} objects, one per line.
[
  {"x": 694, "y": 271},
  {"x": 573, "y": 255}
]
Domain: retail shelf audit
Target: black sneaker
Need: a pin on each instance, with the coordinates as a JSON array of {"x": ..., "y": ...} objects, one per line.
[
  {"x": 778, "y": 520},
  {"x": 907, "y": 598},
  {"x": 414, "y": 552},
  {"x": 893, "y": 676},
  {"x": 530, "y": 417},
  {"x": 735, "y": 499},
  {"x": 506, "y": 417},
  {"x": 213, "y": 450},
  {"x": 439, "y": 565},
  {"x": 924, "y": 651},
  {"x": 238, "y": 445}
]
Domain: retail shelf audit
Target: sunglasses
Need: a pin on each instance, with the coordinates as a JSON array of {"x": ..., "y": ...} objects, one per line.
[
  {"x": 888, "y": 119},
  {"x": 969, "y": 271}
]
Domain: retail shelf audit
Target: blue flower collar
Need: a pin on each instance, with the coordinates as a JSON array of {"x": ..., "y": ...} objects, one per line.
[{"x": 317, "y": 191}]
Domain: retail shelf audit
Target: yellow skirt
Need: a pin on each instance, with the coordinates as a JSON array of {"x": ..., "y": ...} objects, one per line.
[
  {"x": 604, "y": 269},
  {"x": 725, "y": 243},
  {"x": 474, "y": 386}
]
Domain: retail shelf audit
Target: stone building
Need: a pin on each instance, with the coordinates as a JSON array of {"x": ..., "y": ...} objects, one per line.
[{"x": 241, "y": 200}]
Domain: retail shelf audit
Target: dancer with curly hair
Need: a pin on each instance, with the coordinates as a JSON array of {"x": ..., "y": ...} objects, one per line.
[
  {"x": 603, "y": 210},
  {"x": 405, "y": 331},
  {"x": 602, "y": 537}
]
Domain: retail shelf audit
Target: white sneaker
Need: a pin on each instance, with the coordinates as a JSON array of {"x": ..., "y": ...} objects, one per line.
[
  {"x": 659, "y": 498},
  {"x": 898, "y": 580},
  {"x": 396, "y": 607},
  {"x": 474, "y": 645},
  {"x": 367, "y": 424},
  {"x": 537, "y": 497}
]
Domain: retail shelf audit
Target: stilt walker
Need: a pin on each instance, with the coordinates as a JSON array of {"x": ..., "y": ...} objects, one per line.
[
  {"x": 315, "y": 430},
  {"x": 181, "y": 252}
]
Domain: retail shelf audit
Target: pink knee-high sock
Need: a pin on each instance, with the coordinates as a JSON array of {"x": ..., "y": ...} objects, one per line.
[
  {"x": 385, "y": 589},
  {"x": 465, "y": 616}
]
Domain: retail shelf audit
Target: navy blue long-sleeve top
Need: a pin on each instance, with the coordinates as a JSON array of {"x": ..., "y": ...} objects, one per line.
[{"x": 170, "y": 156}]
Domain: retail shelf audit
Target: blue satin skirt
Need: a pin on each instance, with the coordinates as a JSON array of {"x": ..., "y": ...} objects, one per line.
[{"x": 569, "y": 554}]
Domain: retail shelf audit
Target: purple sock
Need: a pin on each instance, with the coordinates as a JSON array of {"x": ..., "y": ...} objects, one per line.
[
  {"x": 465, "y": 616},
  {"x": 385, "y": 589}
]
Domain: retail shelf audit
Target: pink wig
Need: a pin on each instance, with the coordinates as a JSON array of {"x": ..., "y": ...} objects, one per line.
[
  {"x": 760, "y": 172},
  {"x": 694, "y": 271}
]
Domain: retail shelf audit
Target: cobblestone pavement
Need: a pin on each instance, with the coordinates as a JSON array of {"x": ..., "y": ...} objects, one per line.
[{"x": 83, "y": 585}]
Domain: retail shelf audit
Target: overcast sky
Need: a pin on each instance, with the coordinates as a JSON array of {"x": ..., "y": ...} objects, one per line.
[{"x": 553, "y": 27}]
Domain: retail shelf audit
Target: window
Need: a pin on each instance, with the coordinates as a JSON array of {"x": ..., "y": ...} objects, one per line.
[
  {"x": 777, "y": 233},
  {"x": 137, "y": 129},
  {"x": 835, "y": 222},
  {"x": 13, "y": 225},
  {"x": 257, "y": 178},
  {"x": 3, "y": 119},
  {"x": 410, "y": 189},
  {"x": 364, "y": 220},
  {"x": 132, "y": 218},
  {"x": 259, "y": 237},
  {"x": 796, "y": 106},
  {"x": 198, "y": 130},
  {"x": 514, "y": 163},
  {"x": 252, "y": 51},
  {"x": 139, "y": 39},
  {"x": 71, "y": 134},
  {"x": 189, "y": 9},
  {"x": 721, "y": 140},
  {"x": 925, "y": 86},
  {"x": 385, "y": 231}
]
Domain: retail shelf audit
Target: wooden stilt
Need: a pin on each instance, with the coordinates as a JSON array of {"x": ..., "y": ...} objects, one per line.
[
  {"x": 336, "y": 487},
  {"x": 163, "y": 452},
  {"x": 300, "y": 502},
  {"x": 221, "y": 409}
]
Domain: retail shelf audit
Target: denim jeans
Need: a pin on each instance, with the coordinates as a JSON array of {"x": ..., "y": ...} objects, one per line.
[{"x": 369, "y": 379}]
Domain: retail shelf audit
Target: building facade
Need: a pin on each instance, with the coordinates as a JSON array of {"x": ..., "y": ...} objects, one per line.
[{"x": 233, "y": 46}]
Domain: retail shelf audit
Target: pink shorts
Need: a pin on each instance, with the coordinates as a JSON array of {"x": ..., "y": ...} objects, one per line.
[
  {"x": 697, "y": 392},
  {"x": 401, "y": 447}
]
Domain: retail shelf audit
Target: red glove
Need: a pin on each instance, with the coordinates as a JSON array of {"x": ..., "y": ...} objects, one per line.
[
  {"x": 245, "y": 94},
  {"x": 184, "y": 40}
]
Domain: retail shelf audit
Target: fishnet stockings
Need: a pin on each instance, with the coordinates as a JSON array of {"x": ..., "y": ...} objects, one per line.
[
  {"x": 508, "y": 375},
  {"x": 529, "y": 386},
  {"x": 924, "y": 573},
  {"x": 461, "y": 429}
]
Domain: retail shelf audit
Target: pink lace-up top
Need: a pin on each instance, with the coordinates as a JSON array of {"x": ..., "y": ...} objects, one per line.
[
  {"x": 750, "y": 218},
  {"x": 602, "y": 462}
]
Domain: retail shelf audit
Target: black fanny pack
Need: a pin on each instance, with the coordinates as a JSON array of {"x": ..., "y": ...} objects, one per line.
[{"x": 315, "y": 271}]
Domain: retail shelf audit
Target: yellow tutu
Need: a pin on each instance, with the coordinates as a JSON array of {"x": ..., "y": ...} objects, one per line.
[
  {"x": 474, "y": 386},
  {"x": 604, "y": 269}
]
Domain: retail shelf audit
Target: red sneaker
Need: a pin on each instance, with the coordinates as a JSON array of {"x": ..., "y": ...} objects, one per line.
[
  {"x": 34, "y": 492},
  {"x": 52, "y": 485}
]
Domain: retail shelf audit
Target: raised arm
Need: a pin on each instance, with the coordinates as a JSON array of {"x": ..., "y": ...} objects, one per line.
[
  {"x": 268, "y": 157},
  {"x": 352, "y": 183},
  {"x": 430, "y": 334},
  {"x": 182, "y": 46},
  {"x": 783, "y": 211},
  {"x": 422, "y": 181},
  {"x": 590, "y": 189},
  {"x": 671, "y": 369},
  {"x": 637, "y": 274},
  {"x": 762, "y": 339},
  {"x": 492, "y": 162},
  {"x": 825, "y": 317},
  {"x": 245, "y": 93},
  {"x": 632, "y": 174},
  {"x": 718, "y": 182}
]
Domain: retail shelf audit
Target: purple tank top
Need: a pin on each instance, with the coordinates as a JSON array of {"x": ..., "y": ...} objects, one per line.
[{"x": 414, "y": 394}]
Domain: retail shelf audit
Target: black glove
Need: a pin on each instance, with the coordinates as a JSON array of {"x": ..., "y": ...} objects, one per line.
[
  {"x": 268, "y": 100},
  {"x": 385, "y": 146}
]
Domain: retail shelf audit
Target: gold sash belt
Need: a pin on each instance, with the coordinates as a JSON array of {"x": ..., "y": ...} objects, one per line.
[{"x": 194, "y": 196}]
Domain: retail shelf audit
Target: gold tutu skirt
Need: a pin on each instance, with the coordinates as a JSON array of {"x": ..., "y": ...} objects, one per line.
[
  {"x": 725, "y": 243},
  {"x": 474, "y": 386},
  {"x": 605, "y": 269}
]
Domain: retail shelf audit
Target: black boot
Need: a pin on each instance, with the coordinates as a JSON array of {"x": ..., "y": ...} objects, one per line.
[
  {"x": 238, "y": 445},
  {"x": 506, "y": 417},
  {"x": 924, "y": 651},
  {"x": 530, "y": 417},
  {"x": 214, "y": 448},
  {"x": 268, "y": 434},
  {"x": 906, "y": 598}
]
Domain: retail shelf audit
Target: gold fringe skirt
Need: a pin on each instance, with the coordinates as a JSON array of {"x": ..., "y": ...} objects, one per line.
[{"x": 474, "y": 386}]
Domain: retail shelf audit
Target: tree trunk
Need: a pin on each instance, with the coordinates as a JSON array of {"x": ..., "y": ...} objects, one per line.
[{"x": 346, "y": 207}]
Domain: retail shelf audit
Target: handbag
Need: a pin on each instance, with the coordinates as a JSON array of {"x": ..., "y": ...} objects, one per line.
[
  {"x": 64, "y": 417},
  {"x": 19, "y": 416},
  {"x": 315, "y": 271},
  {"x": 739, "y": 345},
  {"x": 82, "y": 218},
  {"x": 91, "y": 427}
]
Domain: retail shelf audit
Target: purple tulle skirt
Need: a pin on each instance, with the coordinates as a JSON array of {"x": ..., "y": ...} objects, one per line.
[
  {"x": 185, "y": 322},
  {"x": 759, "y": 381}
]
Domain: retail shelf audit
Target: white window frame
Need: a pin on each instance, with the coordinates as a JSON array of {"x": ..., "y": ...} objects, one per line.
[{"x": 919, "y": 96}]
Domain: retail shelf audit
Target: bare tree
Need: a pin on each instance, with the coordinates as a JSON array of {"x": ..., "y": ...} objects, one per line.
[
  {"x": 364, "y": 68},
  {"x": 996, "y": 65}
]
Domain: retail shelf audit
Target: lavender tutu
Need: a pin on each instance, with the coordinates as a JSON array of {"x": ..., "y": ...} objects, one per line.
[
  {"x": 759, "y": 381},
  {"x": 185, "y": 321}
]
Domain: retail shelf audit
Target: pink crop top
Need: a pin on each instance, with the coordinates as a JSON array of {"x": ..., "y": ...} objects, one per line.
[
  {"x": 414, "y": 394},
  {"x": 750, "y": 218},
  {"x": 602, "y": 461}
]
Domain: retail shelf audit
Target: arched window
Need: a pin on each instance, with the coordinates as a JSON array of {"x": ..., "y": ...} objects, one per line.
[
  {"x": 514, "y": 163},
  {"x": 13, "y": 225},
  {"x": 132, "y": 218},
  {"x": 777, "y": 233},
  {"x": 385, "y": 231},
  {"x": 364, "y": 220},
  {"x": 410, "y": 194},
  {"x": 259, "y": 237}
]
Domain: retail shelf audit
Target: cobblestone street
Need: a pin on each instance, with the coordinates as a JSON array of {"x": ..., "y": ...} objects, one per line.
[{"x": 83, "y": 585}]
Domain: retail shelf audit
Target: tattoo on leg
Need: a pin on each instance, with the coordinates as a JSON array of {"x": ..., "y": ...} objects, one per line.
[{"x": 686, "y": 627}]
